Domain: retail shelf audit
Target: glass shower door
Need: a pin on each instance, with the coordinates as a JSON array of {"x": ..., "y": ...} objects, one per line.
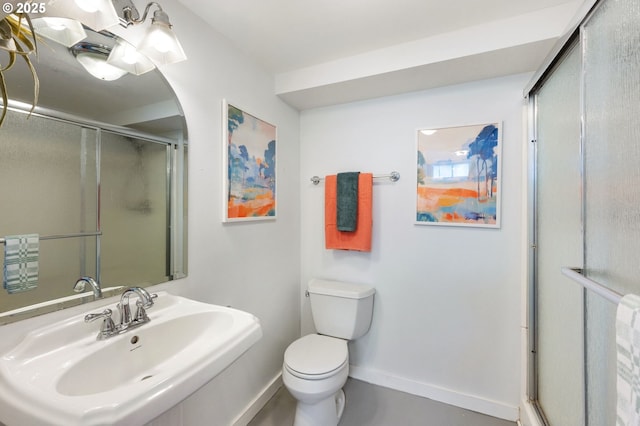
[
  {"x": 135, "y": 211},
  {"x": 611, "y": 41},
  {"x": 559, "y": 346}
]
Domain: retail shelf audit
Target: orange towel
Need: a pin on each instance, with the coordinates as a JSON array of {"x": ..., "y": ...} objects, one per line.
[{"x": 360, "y": 239}]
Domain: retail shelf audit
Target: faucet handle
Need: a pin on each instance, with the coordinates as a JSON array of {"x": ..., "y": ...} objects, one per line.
[
  {"x": 92, "y": 317},
  {"x": 108, "y": 327},
  {"x": 141, "y": 313}
]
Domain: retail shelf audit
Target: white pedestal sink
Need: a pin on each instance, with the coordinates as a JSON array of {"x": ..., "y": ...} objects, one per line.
[{"x": 62, "y": 375}]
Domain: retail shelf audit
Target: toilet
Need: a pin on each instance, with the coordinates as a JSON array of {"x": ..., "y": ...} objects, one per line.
[{"x": 316, "y": 366}]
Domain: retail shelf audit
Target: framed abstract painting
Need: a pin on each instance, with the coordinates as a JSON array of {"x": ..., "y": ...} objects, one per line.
[
  {"x": 459, "y": 175},
  {"x": 249, "y": 156}
]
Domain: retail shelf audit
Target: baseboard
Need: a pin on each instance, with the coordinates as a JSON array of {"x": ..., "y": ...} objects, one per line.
[
  {"x": 528, "y": 415},
  {"x": 436, "y": 393},
  {"x": 259, "y": 401}
]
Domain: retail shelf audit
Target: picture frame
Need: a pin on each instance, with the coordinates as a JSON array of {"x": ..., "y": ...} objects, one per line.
[
  {"x": 459, "y": 175},
  {"x": 249, "y": 166}
]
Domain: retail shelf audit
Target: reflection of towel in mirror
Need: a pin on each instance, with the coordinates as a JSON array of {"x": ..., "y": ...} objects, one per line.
[
  {"x": 347, "y": 201},
  {"x": 360, "y": 239},
  {"x": 628, "y": 361},
  {"x": 21, "y": 262}
]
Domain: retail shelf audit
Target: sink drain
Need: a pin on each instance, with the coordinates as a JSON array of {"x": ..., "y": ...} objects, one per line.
[{"x": 146, "y": 377}]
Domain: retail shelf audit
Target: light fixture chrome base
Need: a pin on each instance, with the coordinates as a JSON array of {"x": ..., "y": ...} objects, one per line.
[
  {"x": 127, "y": 12},
  {"x": 93, "y": 48}
]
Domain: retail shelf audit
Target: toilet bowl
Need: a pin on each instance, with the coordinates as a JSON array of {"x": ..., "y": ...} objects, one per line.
[
  {"x": 316, "y": 366},
  {"x": 315, "y": 369}
]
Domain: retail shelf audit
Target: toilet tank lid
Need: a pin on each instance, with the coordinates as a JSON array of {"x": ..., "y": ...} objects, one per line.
[{"x": 340, "y": 289}]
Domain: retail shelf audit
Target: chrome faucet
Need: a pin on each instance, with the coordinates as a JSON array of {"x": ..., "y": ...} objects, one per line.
[
  {"x": 127, "y": 322},
  {"x": 145, "y": 301},
  {"x": 83, "y": 281}
]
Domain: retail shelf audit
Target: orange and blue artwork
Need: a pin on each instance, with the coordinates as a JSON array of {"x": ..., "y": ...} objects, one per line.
[
  {"x": 250, "y": 166},
  {"x": 459, "y": 173}
]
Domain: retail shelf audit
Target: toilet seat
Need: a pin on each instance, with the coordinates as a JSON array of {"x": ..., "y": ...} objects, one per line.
[{"x": 315, "y": 357}]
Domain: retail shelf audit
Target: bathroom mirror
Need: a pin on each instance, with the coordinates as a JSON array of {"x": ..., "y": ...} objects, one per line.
[{"x": 98, "y": 171}]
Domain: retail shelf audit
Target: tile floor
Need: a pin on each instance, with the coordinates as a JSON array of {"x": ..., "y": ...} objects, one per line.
[{"x": 371, "y": 405}]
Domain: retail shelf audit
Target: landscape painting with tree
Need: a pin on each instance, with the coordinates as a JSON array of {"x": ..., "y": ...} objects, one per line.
[
  {"x": 250, "y": 156},
  {"x": 458, "y": 179}
]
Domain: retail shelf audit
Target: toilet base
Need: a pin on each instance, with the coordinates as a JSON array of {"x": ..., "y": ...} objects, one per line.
[{"x": 326, "y": 412}]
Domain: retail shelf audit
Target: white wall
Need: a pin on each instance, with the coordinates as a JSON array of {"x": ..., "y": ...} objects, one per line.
[
  {"x": 250, "y": 266},
  {"x": 447, "y": 310},
  {"x": 253, "y": 267}
]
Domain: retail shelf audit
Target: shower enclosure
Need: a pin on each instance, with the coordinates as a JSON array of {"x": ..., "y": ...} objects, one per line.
[{"x": 585, "y": 193}]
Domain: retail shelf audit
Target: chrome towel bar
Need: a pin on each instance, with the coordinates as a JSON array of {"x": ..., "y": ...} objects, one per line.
[
  {"x": 393, "y": 177},
  {"x": 56, "y": 237},
  {"x": 576, "y": 275}
]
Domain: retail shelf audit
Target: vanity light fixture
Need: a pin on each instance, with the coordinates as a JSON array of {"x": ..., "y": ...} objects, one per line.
[
  {"x": 127, "y": 57},
  {"x": 160, "y": 43},
  {"x": 65, "y": 31},
  {"x": 95, "y": 14},
  {"x": 93, "y": 57}
]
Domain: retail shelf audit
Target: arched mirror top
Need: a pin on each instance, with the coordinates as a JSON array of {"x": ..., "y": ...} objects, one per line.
[{"x": 143, "y": 103}]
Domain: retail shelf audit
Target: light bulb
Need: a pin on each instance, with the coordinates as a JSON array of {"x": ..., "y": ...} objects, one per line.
[
  {"x": 61, "y": 30},
  {"x": 99, "y": 68},
  {"x": 160, "y": 43},
  {"x": 127, "y": 57}
]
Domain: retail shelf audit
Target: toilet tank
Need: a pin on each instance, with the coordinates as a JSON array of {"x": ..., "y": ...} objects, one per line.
[{"x": 341, "y": 309}]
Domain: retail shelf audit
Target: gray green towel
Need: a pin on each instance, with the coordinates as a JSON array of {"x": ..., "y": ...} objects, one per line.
[
  {"x": 21, "y": 262},
  {"x": 347, "y": 201}
]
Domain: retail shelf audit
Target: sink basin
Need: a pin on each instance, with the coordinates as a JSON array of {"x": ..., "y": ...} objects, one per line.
[{"x": 62, "y": 375}]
